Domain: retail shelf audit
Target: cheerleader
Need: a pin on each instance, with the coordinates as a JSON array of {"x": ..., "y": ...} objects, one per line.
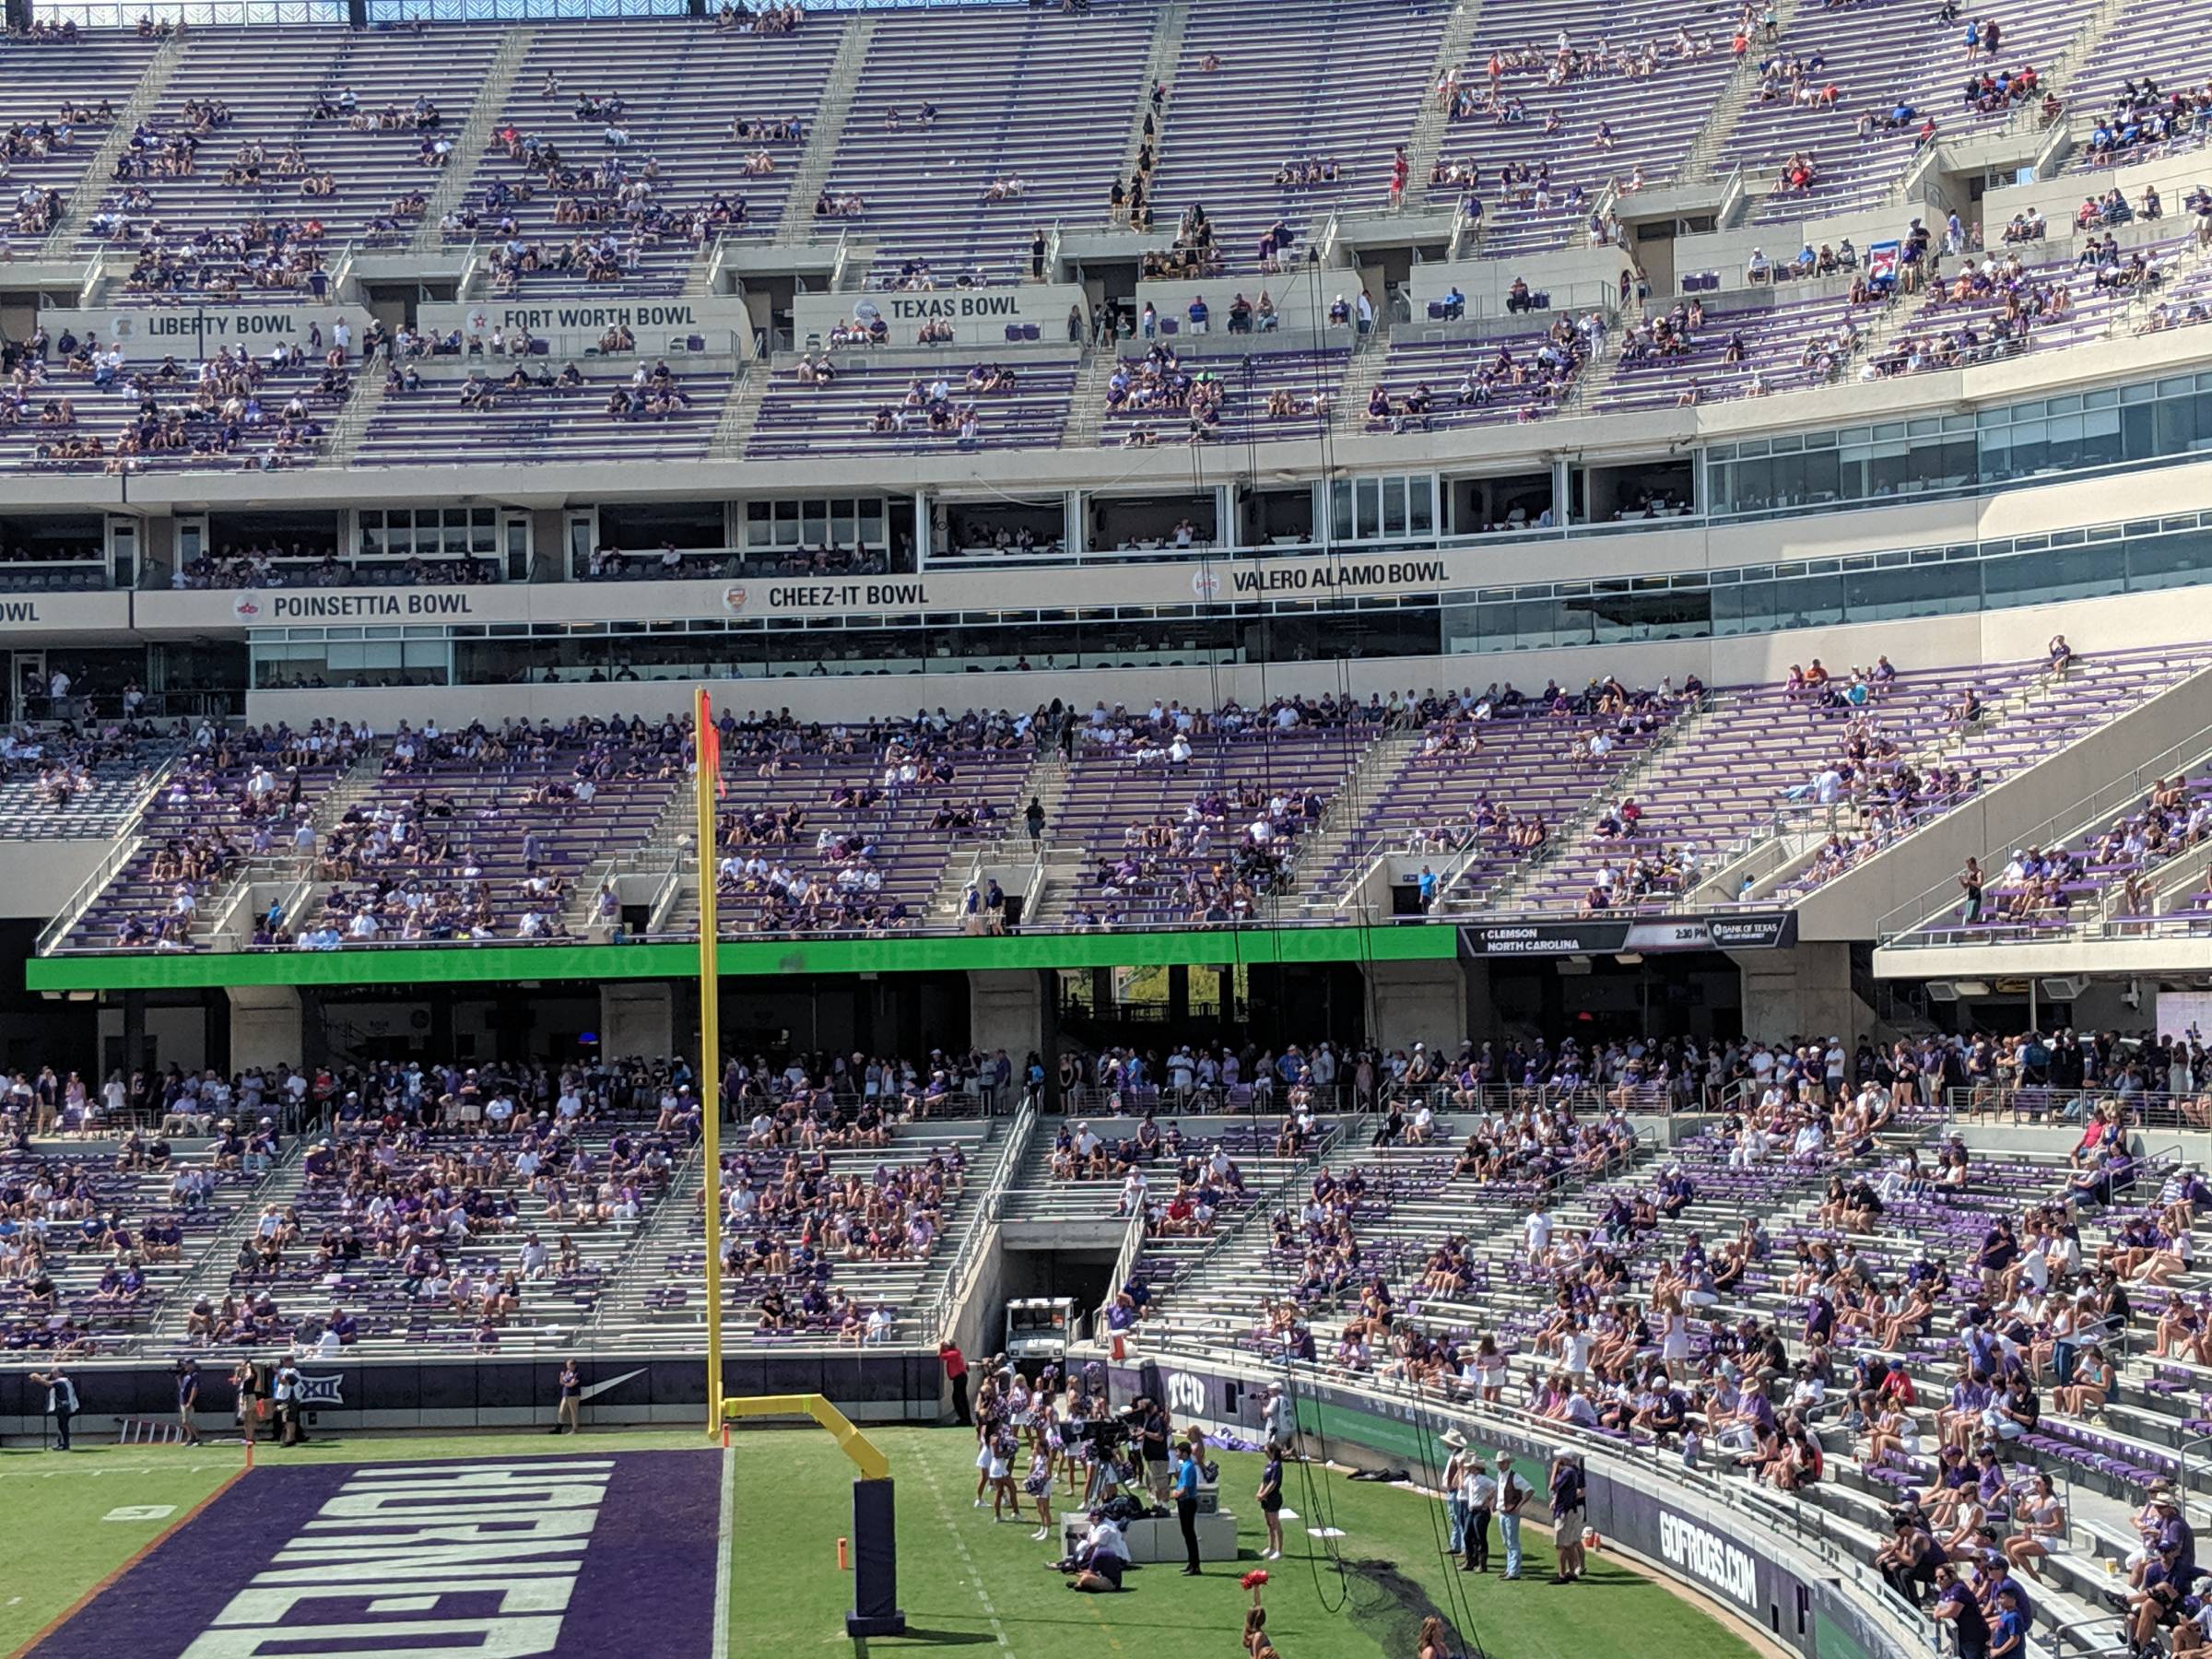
[
  {"x": 987, "y": 1416},
  {"x": 1039, "y": 1484},
  {"x": 1001, "y": 1448}
]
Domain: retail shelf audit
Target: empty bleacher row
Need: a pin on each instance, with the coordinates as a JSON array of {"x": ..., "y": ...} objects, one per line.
[
  {"x": 913, "y": 407},
  {"x": 42, "y": 85},
  {"x": 65, "y": 796},
  {"x": 953, "y": 100},
  {"x": 1627, "y": 117},
  {"x": 682, "y": 87},
  {"x": 593, "y": 417},
  {"x": 1882, "y": 57}
]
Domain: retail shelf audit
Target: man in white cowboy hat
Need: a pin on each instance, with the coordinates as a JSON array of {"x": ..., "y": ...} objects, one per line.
[
  {"x": 1513, "y": 1494},
  {"x": 1479, "y": 1492},
  {"x": 1455, "y": 1472}
]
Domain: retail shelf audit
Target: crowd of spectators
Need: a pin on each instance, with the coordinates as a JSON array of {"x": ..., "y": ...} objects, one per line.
[
  {"x": 258, "y": 411},
  {"x": 785, "y": 873},
  {"x": 2143, "y": 114},
  {"x": 1534, "y": 382},
  {"x": 1865, "y": 767},
  {"x": 234, "y": 794},
  {"x": 60, "y": 760},
  {"x": 417, "y": 869}
]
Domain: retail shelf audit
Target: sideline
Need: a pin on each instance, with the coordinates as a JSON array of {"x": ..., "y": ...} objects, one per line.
[
  {"x": 959, "y": 1546},
  {"x": 1760, "y": 1640},
  {"x": 727, "y": 1531},
  {"x": 152, "y": 1544}
]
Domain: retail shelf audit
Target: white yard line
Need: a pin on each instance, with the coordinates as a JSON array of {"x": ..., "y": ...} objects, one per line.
[
  {"x": 722, "y": 1559},
  {"x": 959, "y": 1546}
]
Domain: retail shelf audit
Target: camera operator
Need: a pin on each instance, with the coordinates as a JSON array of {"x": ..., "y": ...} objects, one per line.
[
  {"x": 1151, "y": 1428},
  {"x": 1097, "y": 1562}
]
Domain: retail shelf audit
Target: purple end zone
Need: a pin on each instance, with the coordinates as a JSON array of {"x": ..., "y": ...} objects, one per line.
[{"x": 307, "y": 1560}]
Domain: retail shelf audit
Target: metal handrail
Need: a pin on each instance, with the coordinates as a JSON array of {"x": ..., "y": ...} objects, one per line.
[
  {"x": 2061, "y": 827},
  {"x": 126, "y": 844},
  {"x": 960, "y": 1275},
  {"x": 1125, "y": 1263}
]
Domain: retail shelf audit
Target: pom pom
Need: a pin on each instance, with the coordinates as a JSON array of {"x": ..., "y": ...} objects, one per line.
[
  {"x": 1254, "y": 1579},
  {"x": 1590, "y": 1541}
]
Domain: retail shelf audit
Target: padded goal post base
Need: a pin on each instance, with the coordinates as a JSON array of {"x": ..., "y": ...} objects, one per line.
[{"x": 876, "y": 1610}]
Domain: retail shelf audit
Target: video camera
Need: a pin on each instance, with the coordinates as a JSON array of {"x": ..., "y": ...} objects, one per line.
[{"x": 1107, "y": 1434}]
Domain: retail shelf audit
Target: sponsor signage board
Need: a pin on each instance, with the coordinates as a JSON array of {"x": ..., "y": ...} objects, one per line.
[
  {"x": 148, "y": 334},
  {"x": 976, "y": 316},
  {"x": 1759, "y": 930}
]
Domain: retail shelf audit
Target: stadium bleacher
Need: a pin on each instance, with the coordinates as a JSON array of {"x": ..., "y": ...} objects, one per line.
[{"x": 1632, "y": 1023}]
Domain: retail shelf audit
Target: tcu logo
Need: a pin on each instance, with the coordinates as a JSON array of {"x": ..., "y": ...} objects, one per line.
[{"x": 1186, "y": 1394}]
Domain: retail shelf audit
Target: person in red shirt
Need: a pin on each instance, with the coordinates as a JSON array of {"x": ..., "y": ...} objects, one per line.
[
  {"x": 956, "y": 1372},
  {"x": 1896, "y": 1387}
]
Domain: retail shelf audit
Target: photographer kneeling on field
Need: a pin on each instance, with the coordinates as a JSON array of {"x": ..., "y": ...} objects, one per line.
[{"x": 1099, "y": 1561}]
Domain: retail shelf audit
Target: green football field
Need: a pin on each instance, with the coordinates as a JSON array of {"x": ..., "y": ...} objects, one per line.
[{"x": 964, "y": 1582}]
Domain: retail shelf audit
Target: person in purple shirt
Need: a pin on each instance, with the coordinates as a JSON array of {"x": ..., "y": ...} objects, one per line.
[
  {"x": 1961, "y": 1413},
  {"x": 1995, "y": 1583},
  {"x": 1955, "y": 1605},
  {"x": 1820, "y": 1321},
  {"x": 2166, "y": 1582},
  {"x": 2008, "y": 1630}
]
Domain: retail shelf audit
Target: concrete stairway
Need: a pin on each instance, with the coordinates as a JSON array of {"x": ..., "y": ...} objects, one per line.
[{"x": 474, "y": 138}]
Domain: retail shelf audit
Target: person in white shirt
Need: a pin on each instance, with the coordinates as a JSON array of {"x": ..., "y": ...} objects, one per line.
[
  {"x": 1536, "y": 1230},
  {"x": 1574, "y": 1352},
  {"x": 1099, "y": 1558},
  {"x": 1479, "y": 1496}
]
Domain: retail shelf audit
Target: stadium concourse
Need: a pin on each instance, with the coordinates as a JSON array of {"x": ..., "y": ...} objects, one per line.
[{"x": 1470, "y": 743}]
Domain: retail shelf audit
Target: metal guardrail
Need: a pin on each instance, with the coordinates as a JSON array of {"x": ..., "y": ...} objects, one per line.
[
  {"x": 960, "y": 1275},
  {"x": 1901, "y": 923},
  {"x": 126, "y": 842}
]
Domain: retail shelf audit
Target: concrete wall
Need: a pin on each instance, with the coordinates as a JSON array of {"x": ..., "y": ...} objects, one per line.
[
  {"x": 1420, "y": 1002},
  {"x": 35, "y": 877},
  {"x": 638, "y": 1018},
  {"x": 1006, "y": 1009},
  {"x": 1802, "y": 993},
  {"x": 264, "y": 1027},
  {"x": 2175, "y": 616}
]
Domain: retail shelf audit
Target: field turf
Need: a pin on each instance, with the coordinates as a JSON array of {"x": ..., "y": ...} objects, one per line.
[{"x": 964, "y": 1582}]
